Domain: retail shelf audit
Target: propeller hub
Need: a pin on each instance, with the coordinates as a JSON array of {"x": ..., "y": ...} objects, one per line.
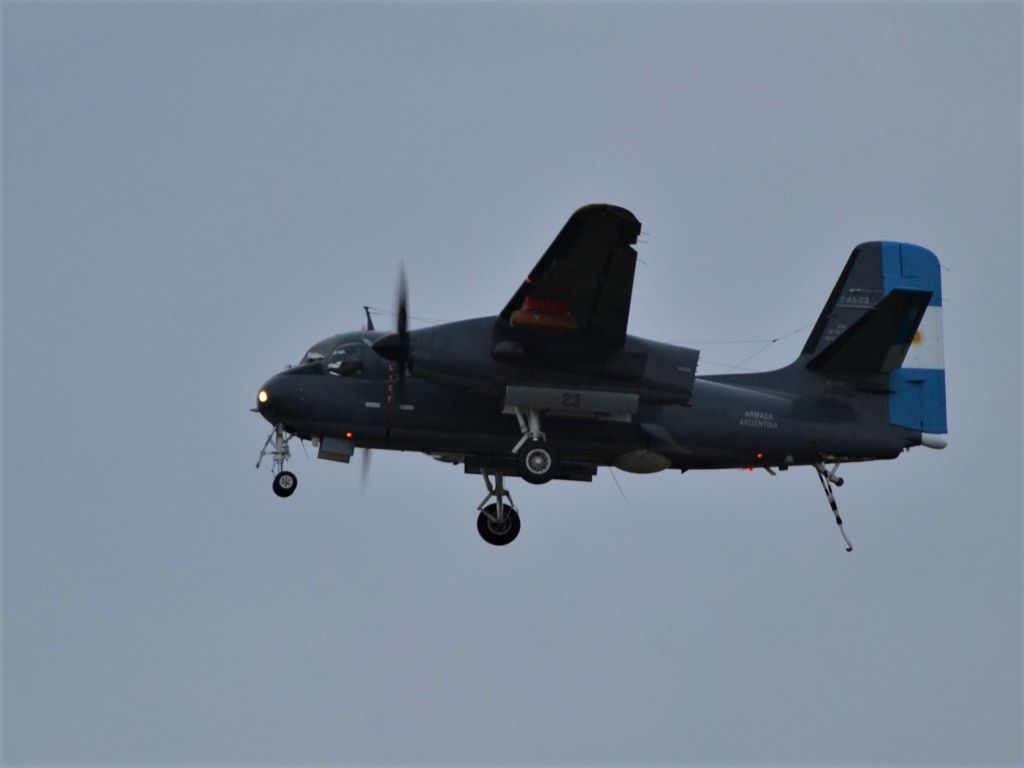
[{"x": 394, "y": 347}]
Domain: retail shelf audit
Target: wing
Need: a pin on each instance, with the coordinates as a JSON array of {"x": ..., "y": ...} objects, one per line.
[{"x": 583, "y": 283}]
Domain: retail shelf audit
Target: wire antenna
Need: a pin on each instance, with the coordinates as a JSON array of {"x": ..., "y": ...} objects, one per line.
[
  {"x": 749, "y": 357},
  {"x": 612, "y": 473},
  {"x": 392, "y": 313}
]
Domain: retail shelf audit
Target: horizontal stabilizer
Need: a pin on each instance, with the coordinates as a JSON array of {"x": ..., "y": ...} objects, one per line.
[{"x": 877, "y": 342}]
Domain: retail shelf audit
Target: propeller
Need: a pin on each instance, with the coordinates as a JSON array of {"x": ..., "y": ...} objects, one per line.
[
  {"x": 395, "y": 346},
  {"x": 364, "y": 469},
  {"x": 403, "y": 304}
]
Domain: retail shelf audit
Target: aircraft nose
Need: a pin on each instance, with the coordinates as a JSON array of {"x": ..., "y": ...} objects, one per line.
[{"x": 274, "y": 398}]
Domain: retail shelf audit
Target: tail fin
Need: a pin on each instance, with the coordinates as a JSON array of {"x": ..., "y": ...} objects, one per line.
[{"x": 885, "y": 317}]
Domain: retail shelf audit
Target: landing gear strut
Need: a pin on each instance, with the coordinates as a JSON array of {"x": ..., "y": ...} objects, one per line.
[
  {"x": 536, "y": 461},
  {"x": 276, "y": 446},
  {"x": 497, "y": 523},
  {"x": 828, "y": 478}
]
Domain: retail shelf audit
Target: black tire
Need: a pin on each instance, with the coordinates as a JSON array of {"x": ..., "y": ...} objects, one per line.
[
  {"x": 285, "y": 484},
  {"x": 536, "y": 462},
  {"x": 491, "y": 532}
]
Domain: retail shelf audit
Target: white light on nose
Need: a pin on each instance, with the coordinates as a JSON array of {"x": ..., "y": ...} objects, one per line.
[{"x": 263, "y": 396}]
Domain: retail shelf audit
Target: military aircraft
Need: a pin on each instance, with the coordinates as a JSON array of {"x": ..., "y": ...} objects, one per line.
[{"x": 553, "y": 387}]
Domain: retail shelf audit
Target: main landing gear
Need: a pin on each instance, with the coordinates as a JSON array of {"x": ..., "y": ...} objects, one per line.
[
  {"x": 828, "y": 477},
  {"x": 276, "y": 446},
  {"x": 498, "y": 523},
  {"x": 536, "y": 461}
]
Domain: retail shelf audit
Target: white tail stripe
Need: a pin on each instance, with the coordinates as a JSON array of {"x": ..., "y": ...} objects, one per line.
[{"x": 926, "y": 349}]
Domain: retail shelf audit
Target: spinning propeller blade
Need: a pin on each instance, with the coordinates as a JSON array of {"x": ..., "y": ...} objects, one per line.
[
  {"x": 403, "y": 323},
  {"x": 395, "y": 346},
  {"x": 364, "y": 469},
  {"x": 403, "y": 304}
]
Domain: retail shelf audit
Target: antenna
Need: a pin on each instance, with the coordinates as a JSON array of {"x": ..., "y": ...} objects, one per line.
[{"x": 369, "y": 319}]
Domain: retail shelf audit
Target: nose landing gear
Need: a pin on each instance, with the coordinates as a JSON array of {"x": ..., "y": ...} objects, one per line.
[
  {"x": 276, "y": 446},
  {"x": 285, "y": 484}
]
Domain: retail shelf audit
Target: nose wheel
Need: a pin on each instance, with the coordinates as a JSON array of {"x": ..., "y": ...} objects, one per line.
[
  {"x": 285, "y": 484},
  {"x": 276, "y": 447}
]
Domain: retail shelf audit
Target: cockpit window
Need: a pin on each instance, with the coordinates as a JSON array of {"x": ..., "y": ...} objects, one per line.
[
  {"x": 320, "y": 350},
  {"x": 346, "y": 359}
]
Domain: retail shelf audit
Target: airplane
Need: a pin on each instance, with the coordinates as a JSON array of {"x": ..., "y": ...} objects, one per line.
[{"x": 553, "y": 387}]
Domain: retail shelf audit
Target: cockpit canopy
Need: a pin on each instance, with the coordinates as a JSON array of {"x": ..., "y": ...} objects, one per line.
[
  {"x": 346, "y": 359},
  {"x": 340, "y": 355},
  {"x": 321, "y": 350}
]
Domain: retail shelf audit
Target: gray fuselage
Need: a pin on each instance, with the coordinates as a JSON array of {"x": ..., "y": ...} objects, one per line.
[{"x": 451, "y": 405}]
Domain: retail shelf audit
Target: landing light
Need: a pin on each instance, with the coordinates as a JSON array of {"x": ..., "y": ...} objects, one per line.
[{"x": 263, "y": 396}]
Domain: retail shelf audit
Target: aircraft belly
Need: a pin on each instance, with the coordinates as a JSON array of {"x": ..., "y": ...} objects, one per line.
[{"x": 581, "y": 445}]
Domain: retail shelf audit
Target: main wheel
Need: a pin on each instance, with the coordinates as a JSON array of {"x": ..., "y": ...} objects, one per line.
[
  {"x": 498, "y": 534},
  {"x": 285, "y": 484},
  {"x": 536, "y": 462}
]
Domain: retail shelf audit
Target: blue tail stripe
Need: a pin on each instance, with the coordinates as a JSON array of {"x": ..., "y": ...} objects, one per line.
[
  {"x": 918, "y": 399},
  {"x": 911, "y": 266}
]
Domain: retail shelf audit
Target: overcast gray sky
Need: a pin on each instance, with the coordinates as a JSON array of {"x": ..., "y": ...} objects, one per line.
[{"x": 194, "y": 193}]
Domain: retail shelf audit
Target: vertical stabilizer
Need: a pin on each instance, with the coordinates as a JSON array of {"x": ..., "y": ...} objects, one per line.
[{"x": 884, "y": 317}]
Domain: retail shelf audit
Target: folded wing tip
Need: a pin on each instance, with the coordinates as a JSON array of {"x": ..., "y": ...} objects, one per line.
[
  {"x": 589, "y": 268},
  {"x": 606, "y": 209}
]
